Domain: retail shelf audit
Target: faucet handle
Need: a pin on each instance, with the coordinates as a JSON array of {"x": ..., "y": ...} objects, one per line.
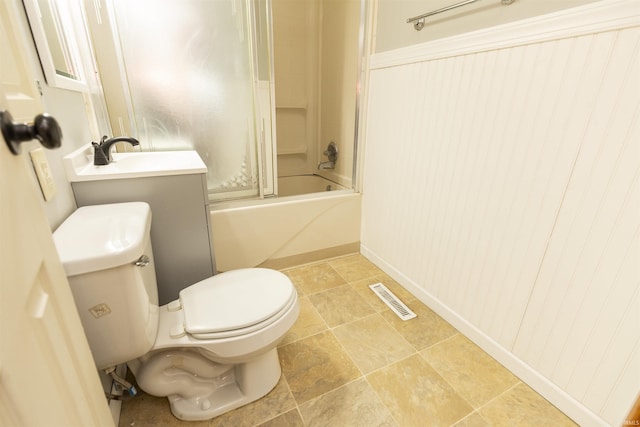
[
  {"x": 332, "y": 152},
  {"x": 99, "y": 157}
]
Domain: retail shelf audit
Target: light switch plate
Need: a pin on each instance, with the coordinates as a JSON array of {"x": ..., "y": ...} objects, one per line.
[{"x": 41, "y": 166}]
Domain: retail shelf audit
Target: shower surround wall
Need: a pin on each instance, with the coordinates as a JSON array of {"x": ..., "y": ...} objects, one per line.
[
  {"x": 501, "y": 188},
  {"x": 316, "y": 69}
]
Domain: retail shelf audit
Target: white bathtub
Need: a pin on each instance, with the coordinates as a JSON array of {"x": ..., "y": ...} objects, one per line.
[
  {"x": 305, "y": 184},
  {"x": 286, "y": 231}
]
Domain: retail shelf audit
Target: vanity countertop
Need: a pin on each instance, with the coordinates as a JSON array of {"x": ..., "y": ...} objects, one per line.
[{"x": 79, "y": 164}]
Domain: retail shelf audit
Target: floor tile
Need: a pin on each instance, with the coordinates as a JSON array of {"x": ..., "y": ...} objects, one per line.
[
  {"x": 277, "y": 401},
  {"x": 423, "y": 331},
  {"x": 315, "y": 278},
  {"x": 348, "y": 259},
  {"x": 372, "y": 343},
  {"x": 288, "y": 419},
  {"x": 340, "y": 305},
  {"x": 309, "y": 323},
  {"x": 416, "y": 395},
  {"x": 474, "y": 374},
  {"x": 473, "y": 420},
  {"x": 523, "y": 407},
  {"x": 354, "y": 404},
  {"x": 316, "y": 365},
  {"x": 145, "y": 410},
  {"x": 358, "y": 270}
]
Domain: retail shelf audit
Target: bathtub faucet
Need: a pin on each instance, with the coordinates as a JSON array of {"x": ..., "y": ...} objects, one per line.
[
  {"x": 332, "y": 153},
  {"x": 102, "y": 150},
  {"x": 327, "y": 165}
]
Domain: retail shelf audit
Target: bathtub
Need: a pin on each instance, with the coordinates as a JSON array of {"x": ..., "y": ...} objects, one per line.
[
  {"x": 305, "y": 184},
  {"x": 286, "y": 231}
]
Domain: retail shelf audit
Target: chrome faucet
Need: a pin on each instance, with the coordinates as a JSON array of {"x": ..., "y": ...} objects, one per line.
[
  {"x": 102, "y": 150},
  {"x": 332, "y": 153},
  {"x": 327, "y": 165}
]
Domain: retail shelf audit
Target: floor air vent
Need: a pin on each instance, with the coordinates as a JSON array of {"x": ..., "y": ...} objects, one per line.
[{"x": 392, "y": 301}]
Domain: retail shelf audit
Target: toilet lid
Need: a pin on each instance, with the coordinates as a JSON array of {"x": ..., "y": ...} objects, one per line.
[{"x": 234, "y": 300}]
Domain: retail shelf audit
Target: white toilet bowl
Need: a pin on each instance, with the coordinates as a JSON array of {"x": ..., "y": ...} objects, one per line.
[
  {"x": 210, "y": 351},
  {"x": 215, "y": 349}
]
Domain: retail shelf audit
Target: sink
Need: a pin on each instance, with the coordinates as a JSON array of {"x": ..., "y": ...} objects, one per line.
[{"x": 79, "y": 164}]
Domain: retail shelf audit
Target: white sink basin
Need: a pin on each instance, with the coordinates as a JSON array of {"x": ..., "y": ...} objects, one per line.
[{"x": 79, "y": 165}]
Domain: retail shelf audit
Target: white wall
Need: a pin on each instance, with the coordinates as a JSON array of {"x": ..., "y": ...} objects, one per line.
[
  {"x": 501, "y": 187},
  {"x": 338, "y": 79},
  {"x": 393, "y": 32},
  {"x": 296, "y": 30},
  {"x": 68, "y": 107}
]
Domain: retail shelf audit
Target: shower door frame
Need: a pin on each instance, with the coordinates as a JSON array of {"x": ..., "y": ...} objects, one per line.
[{"x": 265, "y": 122}]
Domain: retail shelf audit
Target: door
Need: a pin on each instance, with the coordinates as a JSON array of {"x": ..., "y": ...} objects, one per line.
[{"x": 47, "y": 375}]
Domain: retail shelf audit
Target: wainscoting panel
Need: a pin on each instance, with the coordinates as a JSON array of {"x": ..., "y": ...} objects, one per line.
[
  {"x": 501, "y": 184},
  {"x": 586, "y": 290}
]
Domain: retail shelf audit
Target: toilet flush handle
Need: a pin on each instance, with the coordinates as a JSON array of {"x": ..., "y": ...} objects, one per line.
[{"x": 143, "y": 261}]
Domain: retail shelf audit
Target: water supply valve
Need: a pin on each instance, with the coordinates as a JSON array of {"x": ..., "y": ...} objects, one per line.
[{"x": 126, "y": 385}]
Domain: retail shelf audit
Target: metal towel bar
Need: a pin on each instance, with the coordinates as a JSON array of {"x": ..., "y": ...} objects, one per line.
[{"x": 419, "y": 21}]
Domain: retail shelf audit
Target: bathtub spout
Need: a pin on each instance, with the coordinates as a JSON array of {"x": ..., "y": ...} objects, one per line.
[{"x": 327, "y": 165}]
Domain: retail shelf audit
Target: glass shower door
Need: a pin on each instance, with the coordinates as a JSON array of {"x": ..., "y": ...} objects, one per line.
[{"x": 192, "y": 81}]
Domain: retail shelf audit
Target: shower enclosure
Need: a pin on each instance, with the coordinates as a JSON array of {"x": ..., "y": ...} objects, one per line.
[
  {"x": 220, "y": 77},
  {"x": 316, "y": 54}
]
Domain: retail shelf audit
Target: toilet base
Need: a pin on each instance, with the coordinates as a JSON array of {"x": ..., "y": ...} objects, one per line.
[{"x": 242, "y": 384}]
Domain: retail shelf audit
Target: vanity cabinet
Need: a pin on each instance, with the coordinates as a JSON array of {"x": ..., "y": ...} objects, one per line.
[{"x": 180, "y": 231}]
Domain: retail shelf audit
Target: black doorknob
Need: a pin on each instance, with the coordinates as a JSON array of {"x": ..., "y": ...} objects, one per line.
[{"x": 44, "y": 128}]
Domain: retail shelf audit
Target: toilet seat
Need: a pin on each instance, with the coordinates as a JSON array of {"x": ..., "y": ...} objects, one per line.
[{"x": 235, "y": 303}]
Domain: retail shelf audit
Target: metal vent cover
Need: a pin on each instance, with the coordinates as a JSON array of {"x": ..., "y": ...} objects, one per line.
[{"x": 392, "y": 301}]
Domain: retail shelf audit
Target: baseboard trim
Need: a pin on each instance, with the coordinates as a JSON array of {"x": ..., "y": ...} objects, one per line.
[{"x": 309, "y": 257}]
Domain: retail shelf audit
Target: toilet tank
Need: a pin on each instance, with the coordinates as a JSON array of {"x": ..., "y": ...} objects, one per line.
[{"x": 107, "y": 256}]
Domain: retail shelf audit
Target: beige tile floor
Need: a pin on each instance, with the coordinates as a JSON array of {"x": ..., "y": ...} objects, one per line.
[{"x": 349, "y": 361}]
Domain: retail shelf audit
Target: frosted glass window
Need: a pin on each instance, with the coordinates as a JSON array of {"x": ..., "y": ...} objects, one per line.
[{"x": 189, "y": 71}]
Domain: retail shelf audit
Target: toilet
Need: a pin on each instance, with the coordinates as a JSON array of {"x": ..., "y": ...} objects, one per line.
[{"x": 210, "y": 351}]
